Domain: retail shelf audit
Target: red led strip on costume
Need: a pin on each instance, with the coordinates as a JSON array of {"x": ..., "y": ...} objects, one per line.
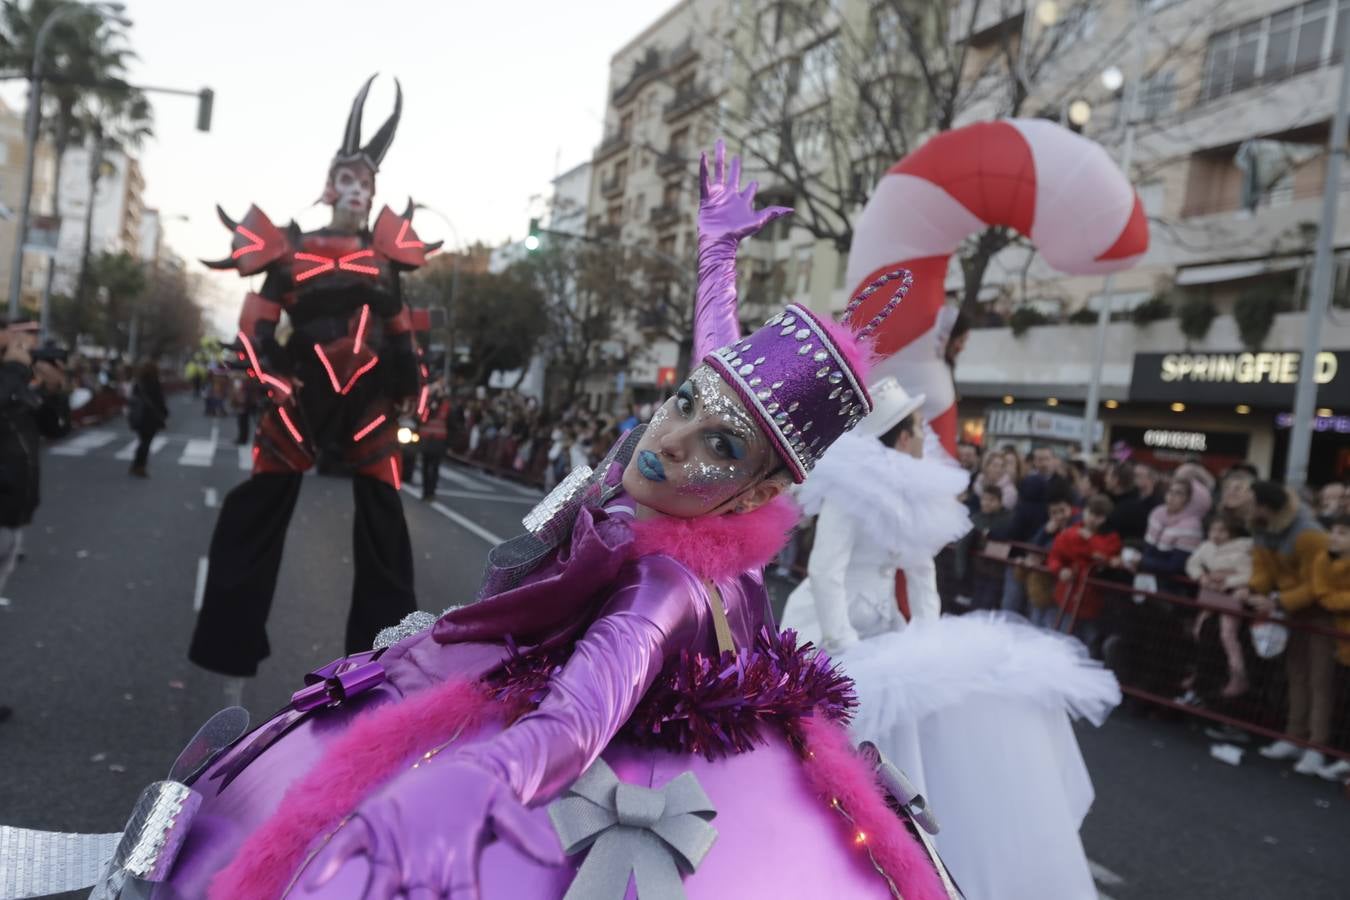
[
  {"x": 328, "y": 367},
  {"x": 290, "y": 426},
  {"x": 393, "y": 467},
  {"x": 378, "y": 421},
  {"x": 257, "y": 368},
  {"x": 332, "y": 375},
  {"x": 258, "y": 243},
  {"x": 361, "y": 328},
  {"x": 348, "y": 263},
  {"x": 323, "y": 264},
  {"x": 356, "y": 376},
  {"x": 422, "y": 401},
  {"x": 403, "y": 233}
]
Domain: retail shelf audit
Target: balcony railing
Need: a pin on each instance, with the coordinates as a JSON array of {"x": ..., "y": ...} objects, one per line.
[
  {"x": 611, "y": 187},
  {"x": 685, "y": 52},
  {"x": 664, "y": 215},
  {"x": 670, "y": 162},
  {"x": 687, "y": 101},
  {"x": 643, "y": 71},
  {"x": 611, "y": 145}
]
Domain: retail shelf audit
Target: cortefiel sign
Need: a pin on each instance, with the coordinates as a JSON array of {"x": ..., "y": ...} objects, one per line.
[{"x": 1264, "y": 378}]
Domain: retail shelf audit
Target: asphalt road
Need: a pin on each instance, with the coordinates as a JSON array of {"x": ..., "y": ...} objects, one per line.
[{"x": 95, "y": 628}]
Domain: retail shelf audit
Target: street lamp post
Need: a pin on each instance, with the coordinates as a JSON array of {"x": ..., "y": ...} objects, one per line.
[
  {"x": 114, "y": 12},
  {"x": 1131, "y": 99},
  {"x": 1305, "y": 397}
]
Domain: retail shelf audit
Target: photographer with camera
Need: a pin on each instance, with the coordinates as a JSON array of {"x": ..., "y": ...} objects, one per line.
[{"x": 33, "y": 405}]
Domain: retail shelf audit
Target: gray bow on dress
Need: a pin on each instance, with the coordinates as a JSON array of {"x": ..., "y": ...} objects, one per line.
[{"x": 655, "y": 835}]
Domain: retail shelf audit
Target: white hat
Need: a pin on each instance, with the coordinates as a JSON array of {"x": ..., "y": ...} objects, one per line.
[{"x": 890, "y": 404}]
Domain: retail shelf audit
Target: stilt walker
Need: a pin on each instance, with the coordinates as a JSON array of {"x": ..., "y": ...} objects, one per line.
[{"x": 335, "y": 389}]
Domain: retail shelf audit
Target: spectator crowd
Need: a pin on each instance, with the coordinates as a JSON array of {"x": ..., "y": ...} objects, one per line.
[{"x": 1226, "y": 594}]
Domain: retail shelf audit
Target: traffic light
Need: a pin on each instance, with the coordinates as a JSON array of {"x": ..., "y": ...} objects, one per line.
[
  {"x": 206, "y": 99},
  {"x": 532, "y": 239}
]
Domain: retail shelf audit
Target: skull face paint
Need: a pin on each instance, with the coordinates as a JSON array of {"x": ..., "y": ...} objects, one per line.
[
  {"x": 350, "y": 191},
  {"x": 701, "y": 449}
]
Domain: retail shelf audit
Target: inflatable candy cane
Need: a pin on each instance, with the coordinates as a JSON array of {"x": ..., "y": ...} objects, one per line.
[{"x": 1057, "y": 188}]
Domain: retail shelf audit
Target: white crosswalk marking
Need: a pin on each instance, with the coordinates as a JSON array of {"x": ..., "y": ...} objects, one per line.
[
  {"x": 83, "y": 442},
  {"x": 198, "y": 452},
  {"x": 245, "y": 458},
  {"x": 201, "y": 452},
  {"x": 129, "y": 451}
]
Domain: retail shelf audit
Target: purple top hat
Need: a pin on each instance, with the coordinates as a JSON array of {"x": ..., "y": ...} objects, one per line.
[{"x": 805, "y": 379}]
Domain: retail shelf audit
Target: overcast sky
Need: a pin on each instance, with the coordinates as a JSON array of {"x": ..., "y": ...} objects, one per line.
[{"x": 499, "y": 96}]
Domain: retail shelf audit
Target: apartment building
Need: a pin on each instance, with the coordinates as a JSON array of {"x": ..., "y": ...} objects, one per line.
[
  {"x": 643, "y": 178},
  {"x": 1230, "y": 124},
  {"x": 778, "y": 80},
  {"x": 118, "y": 209}
]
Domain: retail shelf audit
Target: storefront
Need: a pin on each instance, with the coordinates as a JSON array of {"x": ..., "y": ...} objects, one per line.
[
  {"x": 1222, "y": 408},
  {"x": 1169, "y": 445},
  {"x": 1027, "y": 426}
]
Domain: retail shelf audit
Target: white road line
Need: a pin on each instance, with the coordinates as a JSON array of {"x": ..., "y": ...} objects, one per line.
[
  {"x": 83, "y": 442},
  {"x": 200, "y": 591},
  {"x": 246, "y": 458},
  {"x": 467, "y": 524},
  {"x": 212, "y": 499},
  {"x": 129, "y": 451},
  {"x": 1104, "y": 876},
  {"x": 489, "y": 498},
  {"x": 198, "y": 452},
  {"x": 462, "y": 480}
]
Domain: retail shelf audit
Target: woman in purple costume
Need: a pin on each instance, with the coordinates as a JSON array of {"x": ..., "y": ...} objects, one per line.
[{"x": 616, "y": 715}]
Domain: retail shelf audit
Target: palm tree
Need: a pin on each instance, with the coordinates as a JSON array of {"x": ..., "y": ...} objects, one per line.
[
  {"x": 84, "y": 53},
  {"x": 114, "y": 120}
]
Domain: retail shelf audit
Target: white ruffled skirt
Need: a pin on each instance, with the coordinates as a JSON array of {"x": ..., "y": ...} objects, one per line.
[{"x": 976, "y": 710}]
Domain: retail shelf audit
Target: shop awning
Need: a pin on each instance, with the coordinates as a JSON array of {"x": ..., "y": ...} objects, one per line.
[{"x": 1234, "y": 271}]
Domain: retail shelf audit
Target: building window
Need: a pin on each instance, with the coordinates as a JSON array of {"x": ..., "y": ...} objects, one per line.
[
  {"x": 820, "y": 67},
  {"x": 1298, "y": 39},
  {"x": 802, "y": 261}
]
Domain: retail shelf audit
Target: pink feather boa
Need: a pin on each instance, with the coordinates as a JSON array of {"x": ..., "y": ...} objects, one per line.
[
  {"x": 835, "y": 771},
  {"x": 720, "y": 547},
  {"x": 378, "y": 744}
]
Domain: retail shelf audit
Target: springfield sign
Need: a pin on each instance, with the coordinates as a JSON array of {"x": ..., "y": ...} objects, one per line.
[{"x": 1230, "y": 378}]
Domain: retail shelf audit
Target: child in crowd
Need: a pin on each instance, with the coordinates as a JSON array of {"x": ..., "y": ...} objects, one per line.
[
  {"x": 1221, "y": 565},
  {"x": 1074, "y": 553},
  {"x": 992, "y": 523},
  {"x": 1331, "y": 582},
  {"x": 1040, "y": 587}
]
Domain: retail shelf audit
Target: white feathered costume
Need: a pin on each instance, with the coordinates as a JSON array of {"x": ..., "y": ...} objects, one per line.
[{"x": 975, "y": 709}]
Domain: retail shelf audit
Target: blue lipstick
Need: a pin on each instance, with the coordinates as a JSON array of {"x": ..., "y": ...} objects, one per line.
[{"x": 649, "y": 464}]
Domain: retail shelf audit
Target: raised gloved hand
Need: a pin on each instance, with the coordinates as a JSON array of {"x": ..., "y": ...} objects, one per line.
[
  {"x": 422, "y": 836},
  {"x": 726, "y": 215},
  {"x": 724, "y": 210}
]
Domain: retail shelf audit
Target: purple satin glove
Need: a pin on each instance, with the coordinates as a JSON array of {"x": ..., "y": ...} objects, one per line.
[
  {"x": 423, "y": 834},
  {"x": 726, "y": 215}
]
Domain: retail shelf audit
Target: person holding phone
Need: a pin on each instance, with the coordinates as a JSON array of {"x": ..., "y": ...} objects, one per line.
[{"x": 33, "y": 405}]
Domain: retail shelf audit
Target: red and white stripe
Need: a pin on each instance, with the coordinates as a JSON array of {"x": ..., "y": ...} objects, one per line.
[{"x": 1058, "y": 188}]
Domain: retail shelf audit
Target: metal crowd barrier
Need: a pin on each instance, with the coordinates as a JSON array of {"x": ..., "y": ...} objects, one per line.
[{"x": 1149, "y": 640}]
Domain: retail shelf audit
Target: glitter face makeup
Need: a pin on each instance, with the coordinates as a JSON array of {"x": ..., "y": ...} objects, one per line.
[{"x": 704, "y": 444}]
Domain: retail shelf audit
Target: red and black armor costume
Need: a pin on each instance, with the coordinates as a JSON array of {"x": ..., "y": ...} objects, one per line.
[{"x": 334, "y": 387}]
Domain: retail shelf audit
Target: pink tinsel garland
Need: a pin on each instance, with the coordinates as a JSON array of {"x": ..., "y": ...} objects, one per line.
[
  {"x": 378, "y": 743},
  {"x": 836, "y": 771}
]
